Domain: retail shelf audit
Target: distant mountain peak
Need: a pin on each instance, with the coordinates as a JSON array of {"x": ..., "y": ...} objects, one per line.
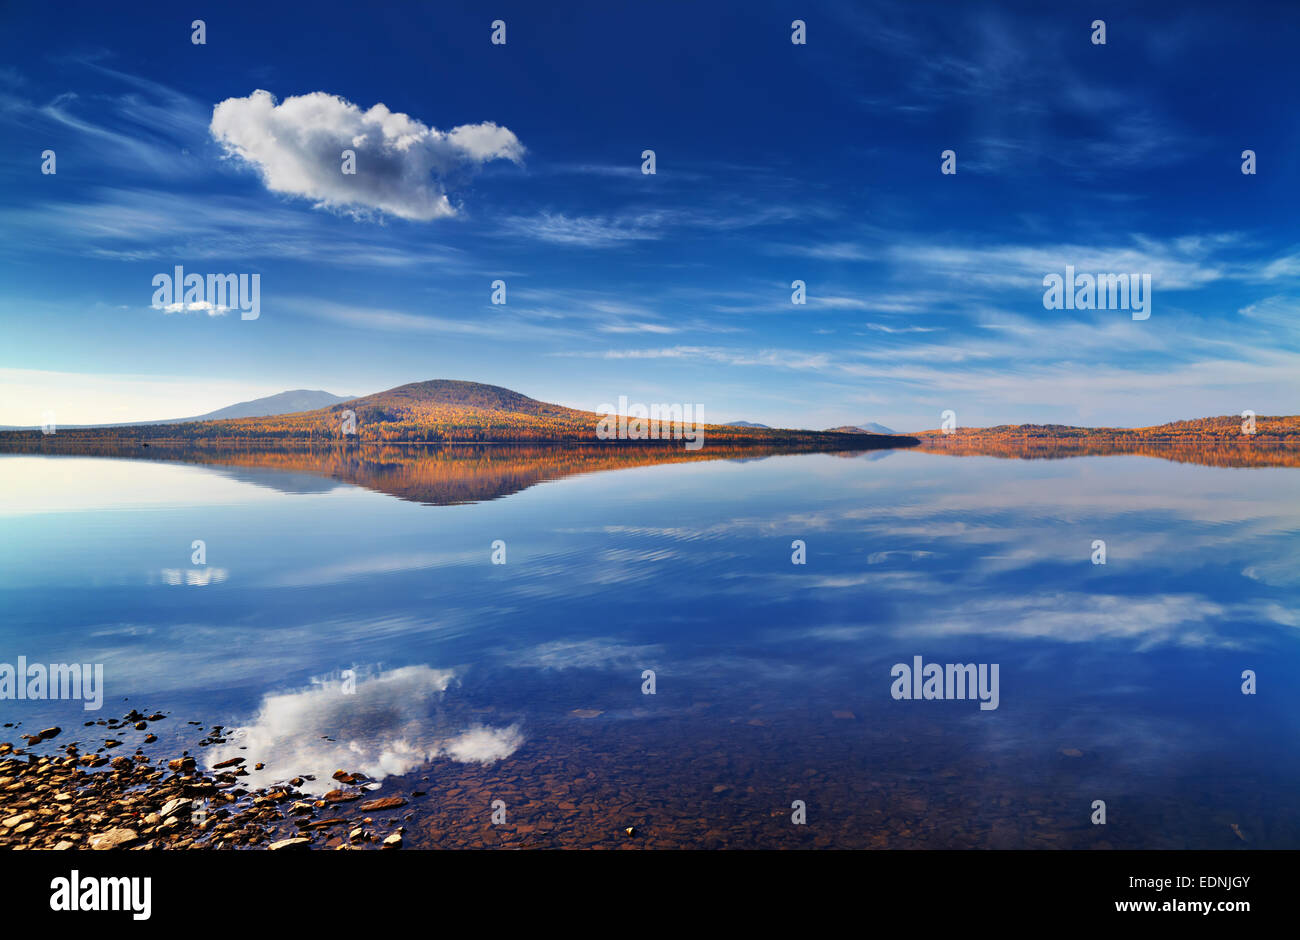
[
  {"x": 283, "y": 403},
  {"x": 876, "y": 428},
  {"x": 869, "y": 427}
]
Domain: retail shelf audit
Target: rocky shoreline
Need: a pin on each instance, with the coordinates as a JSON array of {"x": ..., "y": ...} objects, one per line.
[{"x": 80, "y": 799}]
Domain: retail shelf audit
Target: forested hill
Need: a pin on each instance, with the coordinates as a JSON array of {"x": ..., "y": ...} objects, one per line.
[
  {"x": 1225, "y": 428},
  {"x": 446, "y": 410}
]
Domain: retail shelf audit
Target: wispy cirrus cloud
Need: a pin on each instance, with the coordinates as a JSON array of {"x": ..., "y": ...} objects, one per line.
[
  {"x": 1041, "y": 104},
  {"x": 781, "y": 358},
  {"x": 640, "y": 224},
  {"x": 136, "y": 224},
  {"x": 388, "y": 320},
  {"x": 142, "y": 129},
  {"x": 588, "y": 231},
  {"x": 1186, "y": 262}
]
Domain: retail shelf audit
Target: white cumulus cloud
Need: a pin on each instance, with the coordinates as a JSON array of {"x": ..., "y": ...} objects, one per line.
[{"x": 403, "y": 166}]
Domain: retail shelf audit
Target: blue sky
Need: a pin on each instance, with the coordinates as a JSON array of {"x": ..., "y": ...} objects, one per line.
[{"x": 775, "y": 162}]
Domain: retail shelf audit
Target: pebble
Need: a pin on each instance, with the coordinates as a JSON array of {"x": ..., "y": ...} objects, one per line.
[
  {"x": 113, "y": 839},
  {"x": 295, "y": 843},
  {"x": 388, "y": 802}
]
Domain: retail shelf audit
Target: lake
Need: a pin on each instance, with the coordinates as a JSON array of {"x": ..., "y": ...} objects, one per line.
[{"x": 478, "y": 628}]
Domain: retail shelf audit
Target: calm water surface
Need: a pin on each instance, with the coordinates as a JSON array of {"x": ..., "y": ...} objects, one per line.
[{"x": 522, "y": 681}]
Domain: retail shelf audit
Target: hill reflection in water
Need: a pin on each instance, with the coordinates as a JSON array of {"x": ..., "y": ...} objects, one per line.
[
  {"x": 1207, "y": 454},
  {"x": 436, "y": 475},
  {"x": 454, "y": 474}
]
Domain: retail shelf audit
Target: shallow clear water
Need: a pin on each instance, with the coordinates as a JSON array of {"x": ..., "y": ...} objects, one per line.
[{"x": 473, "y": 681}]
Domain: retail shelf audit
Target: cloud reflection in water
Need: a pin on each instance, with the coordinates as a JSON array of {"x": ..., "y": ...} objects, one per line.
[{"x": 391, "y": 723}]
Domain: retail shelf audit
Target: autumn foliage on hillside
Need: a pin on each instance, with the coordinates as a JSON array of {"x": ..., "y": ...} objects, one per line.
[
  {"x": 1218, "y": 442},
  {"x": 450, "y": 411},
  {"x": 1227, "y": 428}
]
